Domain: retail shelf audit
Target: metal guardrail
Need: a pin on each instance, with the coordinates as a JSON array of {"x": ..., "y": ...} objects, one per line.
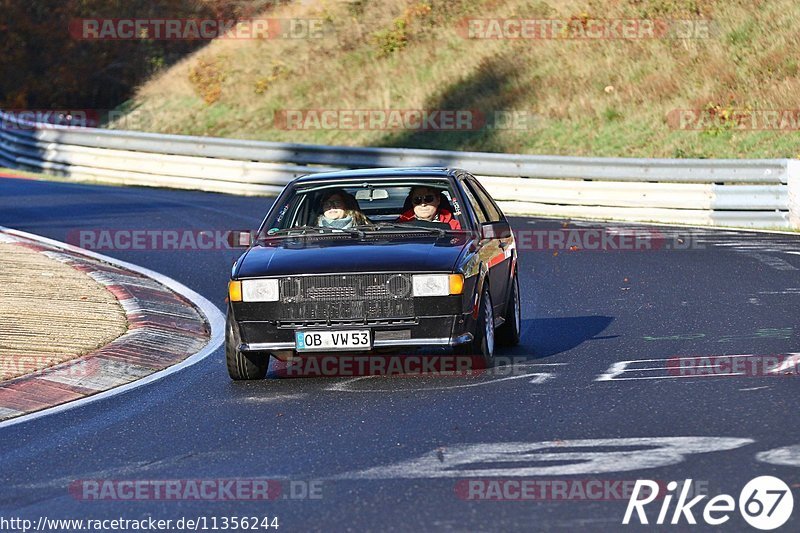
[{"x": 753, "y": 193}]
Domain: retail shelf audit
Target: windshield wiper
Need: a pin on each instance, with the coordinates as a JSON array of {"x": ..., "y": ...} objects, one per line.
[
  {"x": 406, "y": 227},
  {"x": 304, "y": 230}
]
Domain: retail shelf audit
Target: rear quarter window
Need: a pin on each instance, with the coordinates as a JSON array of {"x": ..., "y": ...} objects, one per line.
[{"x": 493, "y": 214}]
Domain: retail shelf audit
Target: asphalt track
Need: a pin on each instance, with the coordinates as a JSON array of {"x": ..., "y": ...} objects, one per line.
[{"x": 388, "y": 453}]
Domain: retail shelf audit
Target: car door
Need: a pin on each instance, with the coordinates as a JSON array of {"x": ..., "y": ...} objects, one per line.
[
  {"x": 492, "y": 248},
  {"x": 505, "y": 239}
]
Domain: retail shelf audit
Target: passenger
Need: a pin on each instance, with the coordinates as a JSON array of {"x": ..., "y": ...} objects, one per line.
[
  {"x": 425, "y": 203},
  {"x": 340, "y": 210}
]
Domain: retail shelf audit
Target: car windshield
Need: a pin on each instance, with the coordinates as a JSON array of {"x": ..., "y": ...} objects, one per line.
[{"x": 419, "y": 205}]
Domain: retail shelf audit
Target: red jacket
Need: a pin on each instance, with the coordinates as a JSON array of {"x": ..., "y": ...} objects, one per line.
[{"x": 442, "y": 216}]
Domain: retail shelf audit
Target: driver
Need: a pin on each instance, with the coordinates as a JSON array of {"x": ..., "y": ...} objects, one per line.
[{"x": 425, "y": 203}]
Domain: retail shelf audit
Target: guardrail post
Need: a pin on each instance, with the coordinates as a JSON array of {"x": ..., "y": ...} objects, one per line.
[{"x": 793, "y": 180}]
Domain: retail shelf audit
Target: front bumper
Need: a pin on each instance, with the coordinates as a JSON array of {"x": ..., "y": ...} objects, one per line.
[
  {"x": 378, "y": 343},
  {"x": 440, "y": 331},
  {"x": 436, "y": 322}
]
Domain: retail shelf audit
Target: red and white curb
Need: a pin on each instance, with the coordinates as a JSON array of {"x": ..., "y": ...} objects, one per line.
[{"x": 171, "y": 327}]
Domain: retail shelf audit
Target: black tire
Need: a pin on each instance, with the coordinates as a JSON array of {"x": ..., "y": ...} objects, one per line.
[
  {"x": 482, "y": 346},
  {"x": 508, "y": 334},
  {"x": 241, "y": 365}
]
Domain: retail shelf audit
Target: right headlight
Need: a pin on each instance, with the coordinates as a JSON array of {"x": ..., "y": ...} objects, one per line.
[
  {"x": 260, "y": 290},
  {"x": 437, "y": 284}
]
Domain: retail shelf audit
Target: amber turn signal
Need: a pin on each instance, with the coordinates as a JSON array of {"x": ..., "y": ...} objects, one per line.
[
  {"x": 235, "y": 291},
  {"x": 456, "y": 283}
]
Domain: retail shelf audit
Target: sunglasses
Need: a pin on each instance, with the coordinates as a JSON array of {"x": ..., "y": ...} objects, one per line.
[
  {"x": 428, "y": 199},
  {"x": 333, "y": 204}
]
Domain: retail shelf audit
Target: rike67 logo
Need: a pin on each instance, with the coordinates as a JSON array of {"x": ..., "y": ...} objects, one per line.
[{"x": 765, "y": 503}]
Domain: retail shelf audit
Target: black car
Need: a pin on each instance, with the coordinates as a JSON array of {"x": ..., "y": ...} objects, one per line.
[{"x": 422, "y": 257}]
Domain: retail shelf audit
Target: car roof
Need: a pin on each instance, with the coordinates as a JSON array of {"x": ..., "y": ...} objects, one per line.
[{"x": 441, "y": 172}]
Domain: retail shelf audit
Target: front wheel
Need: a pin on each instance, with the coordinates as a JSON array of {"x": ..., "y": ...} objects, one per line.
[
  {"x": 482, "y": 345},
  {"x": 242, "y": 365}
]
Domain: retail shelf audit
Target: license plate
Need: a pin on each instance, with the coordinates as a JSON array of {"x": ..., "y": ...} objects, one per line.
[{"x": 333, "y": 340}]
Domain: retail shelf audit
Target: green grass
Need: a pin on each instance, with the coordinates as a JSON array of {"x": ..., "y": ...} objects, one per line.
[{"x": 595, "y": 98}]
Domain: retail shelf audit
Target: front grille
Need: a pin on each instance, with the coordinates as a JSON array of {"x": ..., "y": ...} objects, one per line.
[
  {"x": 330, "y": 294},
  {"x": 346, "y": 297},
  {"x": 345, "y": 323}
]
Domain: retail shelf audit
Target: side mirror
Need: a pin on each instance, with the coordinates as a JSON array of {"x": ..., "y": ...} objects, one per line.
[
  {"x": 496, "y": 230},
  {"x": 240, "y": 239}
]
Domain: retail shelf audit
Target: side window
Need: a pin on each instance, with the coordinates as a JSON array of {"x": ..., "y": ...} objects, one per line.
[
  {"x": 491, "y": 211},
  {"x": 476, "y": 206}
]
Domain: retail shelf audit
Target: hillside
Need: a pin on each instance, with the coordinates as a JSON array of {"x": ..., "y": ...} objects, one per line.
[
  {"x": 570, "y": 94},
  {"x": 46, "y": 63}
]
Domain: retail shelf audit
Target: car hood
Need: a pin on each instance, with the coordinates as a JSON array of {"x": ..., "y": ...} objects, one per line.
[{"x": 320, "y": 255}]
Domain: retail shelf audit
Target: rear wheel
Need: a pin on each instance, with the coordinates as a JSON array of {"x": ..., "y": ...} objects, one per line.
[
  {"x": 242, "y": 365},
  {"x": 508, "y": 334},
  {"x": 482, "y": 345}
]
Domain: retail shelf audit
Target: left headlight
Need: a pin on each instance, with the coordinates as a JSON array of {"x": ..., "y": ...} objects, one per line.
[
  {"x": 260, "y": 290},
  {"x": 437, "y": 284}
]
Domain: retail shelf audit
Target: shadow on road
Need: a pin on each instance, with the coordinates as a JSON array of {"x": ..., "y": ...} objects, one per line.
[{"x": 544, "y": 337}]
